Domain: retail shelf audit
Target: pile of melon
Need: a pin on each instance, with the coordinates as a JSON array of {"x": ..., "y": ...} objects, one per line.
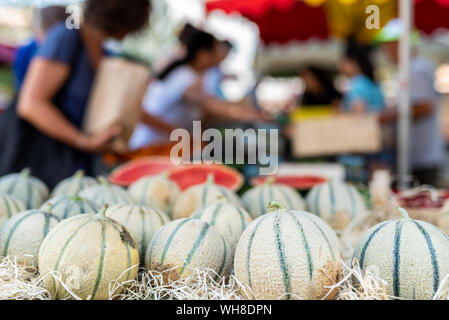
[{"x": 96, "y": 239}]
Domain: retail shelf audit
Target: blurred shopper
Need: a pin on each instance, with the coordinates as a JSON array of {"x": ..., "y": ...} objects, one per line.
[
  {"x": 178, "y": 52},
  {"x": 177, "y": 97},
  {"x": 44, "y": 20},
  {"x": 55, "y": 93},
  {"x": 214, "y": 77},
  {"x": 319, "y": 89},
  {"x": 184, "y": 36},
  {"x": 426, "y": 138},
  {"x": 363, "y": 94}
]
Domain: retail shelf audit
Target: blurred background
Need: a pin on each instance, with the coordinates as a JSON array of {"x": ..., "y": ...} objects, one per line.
[
  {"x": 273, "y": 38},
  {"x": 277, "y": 47}
]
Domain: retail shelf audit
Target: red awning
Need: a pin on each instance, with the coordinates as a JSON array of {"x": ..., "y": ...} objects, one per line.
[
  {"x": 431, "y": 15},
  {"x": 279, "y": 21},
  {"x": 300, "y": 22},
  {"x": 253, "y": 9},
  {"x": 282, "y": 21}
]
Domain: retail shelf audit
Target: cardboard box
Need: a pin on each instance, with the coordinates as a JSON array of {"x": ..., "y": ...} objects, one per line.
[
  {"x": 337, "y": 134},
  {"x": 116, "y": 98}
]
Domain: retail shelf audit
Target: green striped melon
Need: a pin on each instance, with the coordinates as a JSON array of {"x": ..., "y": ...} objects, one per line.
[
  {"x": 29, "y": 190},
  {"x": 155, "y": 191},
  {"x": 257, "y": 198},
  {"x": 22, "y": 235},
  {"x": 202, "y": 195},
  {"x": 337, "y": 202},
  {"x": 68, "y": 206},
  {"x": 9, "y": 206},
  {"x": 142, "y": 222},
  {"x": 73, "y": 185},
  {"x": 106, "y": 193},
  {"x": 90, "y": 253},
  {"x": 184, "y": 246},
  {"x": 229, "y": 219},
  {"x": 412, "y": 256},
  {"x": 288, "y": 254}
]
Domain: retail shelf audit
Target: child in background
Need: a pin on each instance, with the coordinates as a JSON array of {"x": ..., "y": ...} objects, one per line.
[{"x": 177, "y": 97}]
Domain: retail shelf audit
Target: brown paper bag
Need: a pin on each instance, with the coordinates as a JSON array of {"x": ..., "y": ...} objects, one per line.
[
  {"x": 338, "y": 134},
  {"x": 116, "y": 98}
]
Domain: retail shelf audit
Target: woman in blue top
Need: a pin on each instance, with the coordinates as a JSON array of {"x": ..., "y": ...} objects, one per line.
[
  {"x": 56, "y": 90},
  {"x": 363, "y": 94}
]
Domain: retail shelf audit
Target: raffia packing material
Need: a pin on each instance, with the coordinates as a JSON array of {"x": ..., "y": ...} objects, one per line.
[
  {"x": 116, "y": 98},
  {"x": 337, "y": 134}
]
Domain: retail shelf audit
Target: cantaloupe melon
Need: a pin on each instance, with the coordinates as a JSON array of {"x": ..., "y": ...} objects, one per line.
[
  {"x": 28, "y": 189},
  {"x": 68, "y": 206},
  {"x": 337, "y": 202},
  {"x": 229, "y": 219},
  {"x": 73, "y": 185},
  {"x": 186, "y": 245},
  {"x": 89, "y": 253},
  {"x": 106, "y": 193},
  {"x": 22, "y": 235},
  {"x": 288, "y": 254},
  {"x": 412, "y": 256},
  {"x": 155, "y": 191},
  {"x": 9, "y": 206},
  {"x": 257, "y": 199},
  {"x": 142, "y": 222},
  {"x": 201, "y": 195}
]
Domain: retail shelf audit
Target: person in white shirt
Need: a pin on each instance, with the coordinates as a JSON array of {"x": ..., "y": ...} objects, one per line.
[
  {"x": 426, "y": 138},
  {"x": 177, "y": 97}
]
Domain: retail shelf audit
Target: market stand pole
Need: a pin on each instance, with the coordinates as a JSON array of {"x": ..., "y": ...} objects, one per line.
[{"x": 406, "y": 16}]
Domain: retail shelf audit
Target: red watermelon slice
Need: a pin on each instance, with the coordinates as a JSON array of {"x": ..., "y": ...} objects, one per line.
[
  {"x": 132, "y": 171},
  {"x": 193, "y": 174},
  {"x": 184, "y": 175},
  {"x": 297, "y": 182}
]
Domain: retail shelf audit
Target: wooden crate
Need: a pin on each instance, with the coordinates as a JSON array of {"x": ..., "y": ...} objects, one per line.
[{"x": 337, "y": 134}]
